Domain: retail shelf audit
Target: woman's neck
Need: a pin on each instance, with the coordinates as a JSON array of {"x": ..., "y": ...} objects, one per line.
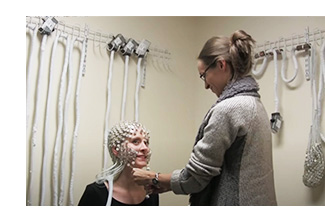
[
  {"x": 126, "y": 190},
  {"x": 125, "y": 180}
]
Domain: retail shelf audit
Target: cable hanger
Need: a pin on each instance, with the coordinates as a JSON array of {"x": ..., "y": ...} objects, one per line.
[
  {"x": 289, "y": 42},
  {"x": 96, "y": 36}
]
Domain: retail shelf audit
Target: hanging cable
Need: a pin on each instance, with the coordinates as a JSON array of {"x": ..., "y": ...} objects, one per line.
[
  {"x": 55, "y": 179},
  {"x": 261, "y": 70},
  {"x": 125, "y": 84},
  {"x": 314, "y": 161},
  {"x": 108, "y": 105},
  {"x": 46, "y": 126},
  {"x": 77, "y": 113},
  {"x": 276, "y": 119},
  {"x": 113, "y": 46},
  {"x": 35, "y": 122},
  {"x": 141, "y": 51},
  {"x": 65, "y": 125},
  {"x": 137, "y": 88},
  {"x": 32, "y": 27},
  {"x": 126, "y": 51},
  {"x": 321, "y": 88},
  {"x": 283, "y": 66},
  {"x": 295, "y": 65}
]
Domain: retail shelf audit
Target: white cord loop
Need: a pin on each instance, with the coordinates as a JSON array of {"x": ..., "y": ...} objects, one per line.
[
  {"x": 283, "y": 67},
  {"x": 261, "y": 70}
]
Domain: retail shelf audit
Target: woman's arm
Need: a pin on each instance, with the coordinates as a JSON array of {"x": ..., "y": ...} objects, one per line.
[{"x": 145, "y": 178}]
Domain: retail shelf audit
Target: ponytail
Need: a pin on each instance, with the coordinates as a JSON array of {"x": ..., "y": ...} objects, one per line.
[{"x": 240, "y": 51}]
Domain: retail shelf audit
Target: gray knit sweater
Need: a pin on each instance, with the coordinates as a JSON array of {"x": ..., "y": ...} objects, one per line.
[{"x": 231, "y": 162}]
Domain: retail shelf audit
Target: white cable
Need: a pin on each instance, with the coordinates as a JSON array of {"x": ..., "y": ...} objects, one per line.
[
  {"x": 276, "y": 74},
  {"x": 137, "y": 89},
  {"x": 314, "y": 161},
  {"x": 65, "y": 125},
  {"x": 55, "y": 177},
  {"x": 35, "y": 123},
  {"x": 295, "y": 64},
  {"x": 108, "y": 106},
  {"x": 29, "y": 67},
  {"x": 77, "y": 122},
  {"x": 321, "y": 88},
  {"x": 46, "y": 126},
  {"x": 110, "y": 191},
  {"x": 259, "y": 72},
  {"x": 283, "y": 67},
  {"x": 126, "y": 71}
]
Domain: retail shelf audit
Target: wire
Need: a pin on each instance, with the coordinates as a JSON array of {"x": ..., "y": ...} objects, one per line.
[
  {"x": 283, "y": 66},
  {"x": 126, "y": 71},
  {"x": 31, "y": 53},
  {"x": 55, "y": 180},
  {"x": 65, "y": 125},
  {"x": 276, "y": 81},
  {"x": 46, "y": 127},
  {"x": 108, "y": 106},
  {"x": 261, "y": 70},
  {"x": 77, "y": 122},
  {"x": 35, "y": 123},
  {"x": 137, "y": 89}
]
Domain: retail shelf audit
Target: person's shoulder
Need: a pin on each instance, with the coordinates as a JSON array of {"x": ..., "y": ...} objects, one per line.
[
  {"x": 96, "y": 186},
  {"x": 236, "y": 103}
]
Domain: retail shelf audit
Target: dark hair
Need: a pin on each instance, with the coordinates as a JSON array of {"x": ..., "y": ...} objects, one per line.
[{"x": 236, "y": 51}]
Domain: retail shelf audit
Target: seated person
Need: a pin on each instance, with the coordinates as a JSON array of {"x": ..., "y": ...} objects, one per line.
[{"x": 128, "y": 145}]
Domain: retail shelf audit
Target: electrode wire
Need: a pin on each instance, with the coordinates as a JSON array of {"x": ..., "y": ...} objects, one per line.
[
  {"x": 35, "y": 123},
  {"x": 29, "y": 68},
  {"x": 108, "y": 106},
  {"x": 58, "y": 140},
  {"x": 77, "y": 122},
  {"x": 138, "y": 82},
  {"x": 46, "y": 126},
  {"x": 65, "y": 125},
  {"x": 125, "y": 84}
]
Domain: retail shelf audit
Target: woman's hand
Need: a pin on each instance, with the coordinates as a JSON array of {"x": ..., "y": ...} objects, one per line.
[{"x": 143, "y": 177}]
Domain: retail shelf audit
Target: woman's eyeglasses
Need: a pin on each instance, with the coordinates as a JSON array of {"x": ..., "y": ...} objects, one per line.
[{"x": 202, "y": 76}]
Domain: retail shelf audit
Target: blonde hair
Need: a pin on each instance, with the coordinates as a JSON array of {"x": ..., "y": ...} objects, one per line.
[{"x": 236, "y": 51}]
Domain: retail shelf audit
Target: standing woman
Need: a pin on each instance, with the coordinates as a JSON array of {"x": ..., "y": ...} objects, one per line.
[{"x": 231, "y": 161}]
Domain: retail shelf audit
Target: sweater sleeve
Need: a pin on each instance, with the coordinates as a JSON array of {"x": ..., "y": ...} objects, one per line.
[{"x": 226, "y": 121}]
